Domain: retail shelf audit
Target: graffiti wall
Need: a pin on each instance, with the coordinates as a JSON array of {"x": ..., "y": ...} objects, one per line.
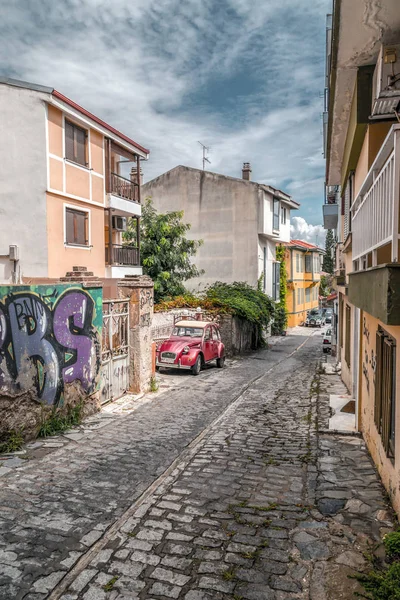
[{"x": 50, "y": 336}]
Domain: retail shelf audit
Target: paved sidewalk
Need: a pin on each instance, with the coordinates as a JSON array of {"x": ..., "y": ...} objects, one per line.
[{"x": 263, "y": 509}]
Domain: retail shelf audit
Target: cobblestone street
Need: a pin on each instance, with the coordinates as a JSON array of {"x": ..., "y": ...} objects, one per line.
[{"x": 225, "y": 487}]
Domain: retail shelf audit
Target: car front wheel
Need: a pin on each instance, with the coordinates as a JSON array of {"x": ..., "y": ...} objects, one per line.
[
  {"x": 220, "y": 362},
  {"x": 197, "y": 366}
]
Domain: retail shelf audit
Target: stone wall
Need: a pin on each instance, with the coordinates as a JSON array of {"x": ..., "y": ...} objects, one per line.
[
  {"x": 50, "y": 352},
  {"x": 239, "y": 336},
  {"x": 140, "y": 290}
]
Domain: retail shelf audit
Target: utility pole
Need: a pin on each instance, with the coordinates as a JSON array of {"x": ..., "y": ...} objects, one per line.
[{"x": 206, "y": 150}]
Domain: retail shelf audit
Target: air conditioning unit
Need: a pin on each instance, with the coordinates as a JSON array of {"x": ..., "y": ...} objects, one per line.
[
  {"x": 119, "y": 223},
  {"x": 386, "y": 83}
]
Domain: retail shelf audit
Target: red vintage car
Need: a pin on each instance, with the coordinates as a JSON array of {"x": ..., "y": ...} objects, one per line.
[{"x": 191, "y": 345}]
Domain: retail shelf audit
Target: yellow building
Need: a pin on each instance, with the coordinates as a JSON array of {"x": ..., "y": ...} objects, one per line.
[
  {"x": 362, "y": 145},
  {"x": 303, "y": 266}
]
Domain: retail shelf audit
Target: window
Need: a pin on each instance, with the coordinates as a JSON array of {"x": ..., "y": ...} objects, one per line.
[
  {"x": 298, "y": 295},
  {"x": 207, "y": 335},
  {"x": 385, "y": 389},
  {"x": 215, "y": 334},
  {"x": 283, "y": 215},
  {"x": 75, "y": 143},
  {"x": 297, "y": 262},
  {"x": 348, "y": 331},
  {"x": 308, "y": 263},
  {"x": 265, "y": 270},
  {"x": 308, "y": 294},
  {"x": 76, "y": 227},
  {"x": 275, "y": 224},
  {"x": 276, "y": 280}
]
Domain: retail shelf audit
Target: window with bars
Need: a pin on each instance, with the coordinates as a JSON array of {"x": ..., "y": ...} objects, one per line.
[
  {"x": 76, "y": 227},
  {"x": 275, "y": 224},
  {"x": 385, "y": 390},
  {"x": 75, "y": 143},
  {"x": 347, "y": 352}
]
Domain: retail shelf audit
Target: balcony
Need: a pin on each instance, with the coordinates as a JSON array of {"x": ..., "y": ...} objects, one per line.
[
  {"x": 376, "y": 290},
  {"x": 123, "y": 255},
  {"x": 122, "y": 261},
  {"x": 330, "y": 213},
  {"x": 123, "y": 193},
  {"x": 375, "y": 211}
]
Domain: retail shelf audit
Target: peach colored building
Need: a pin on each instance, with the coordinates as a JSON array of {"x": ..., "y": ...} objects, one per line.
[
  {"x": 362, "y": 146},
  {"x": 69, "y": 182}
]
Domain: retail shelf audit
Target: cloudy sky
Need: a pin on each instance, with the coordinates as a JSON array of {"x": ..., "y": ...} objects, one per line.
[{"x": 245, "y": 77}]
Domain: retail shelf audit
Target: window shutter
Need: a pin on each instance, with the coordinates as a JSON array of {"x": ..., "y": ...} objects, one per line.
[
  {"x": 69, "y": 226},
  {"x": 278, "y": 279},
  {"x": 69, "y": 141},
  {"x": 80, "y": 138}
]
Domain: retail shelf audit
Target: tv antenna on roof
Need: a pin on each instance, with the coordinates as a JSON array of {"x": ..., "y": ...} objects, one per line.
[{"x": 206, "y": 150}]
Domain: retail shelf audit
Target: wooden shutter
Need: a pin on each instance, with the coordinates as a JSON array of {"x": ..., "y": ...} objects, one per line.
[
  {"x": 348, "y": 334},
  {"x": 69, "y": 141},
  {"x": 378, "y": 381},
  {"x": 387, "y": 393},
  {"x": 69, "y": 226},
  {"x": 76, "y": 225},
  {"x": 80, "y": 146}
]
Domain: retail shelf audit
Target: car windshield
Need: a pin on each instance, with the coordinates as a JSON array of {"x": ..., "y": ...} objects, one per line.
[
  {"x": 187, "y": 331},
  {"x": 328, "y": 311},
  {"x": 328, "y": 332},
  {"x": 315, "y": 315}
]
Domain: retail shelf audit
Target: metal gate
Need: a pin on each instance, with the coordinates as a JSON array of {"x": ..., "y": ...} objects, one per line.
[{"x": 115, "y": 349}]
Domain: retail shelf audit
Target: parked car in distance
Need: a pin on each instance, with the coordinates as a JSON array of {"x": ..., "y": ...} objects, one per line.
[
  {"x": 327, "y": 341},
  {"x": 316, "y": 319},
  {"x": 191, "y": 345},
  {"x": 328, "y": 314}
]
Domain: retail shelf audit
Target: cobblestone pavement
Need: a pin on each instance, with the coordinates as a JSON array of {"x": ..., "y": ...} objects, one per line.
[
  {"x": 264, "y": 508},
  {"x": 54, "y": 507},
  {"x": 259, "y": 507}
]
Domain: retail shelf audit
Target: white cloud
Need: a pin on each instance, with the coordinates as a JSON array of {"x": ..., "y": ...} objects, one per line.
[
  {"x": 301, "y": 230},
  {"x": 142, "y": 66}
]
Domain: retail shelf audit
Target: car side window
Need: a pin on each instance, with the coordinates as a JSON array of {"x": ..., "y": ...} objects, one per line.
[
  {"x": 207, "y": 334},
  {"x": 215, "y": 334}
]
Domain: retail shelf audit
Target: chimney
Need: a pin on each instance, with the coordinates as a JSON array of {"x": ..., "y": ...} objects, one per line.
[
  {"x": 246, "y": 171},
  {"x": 134, "y": 175}
]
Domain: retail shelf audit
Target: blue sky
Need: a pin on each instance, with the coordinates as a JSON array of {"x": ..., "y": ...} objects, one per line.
[{"x": 244, "y": 77}]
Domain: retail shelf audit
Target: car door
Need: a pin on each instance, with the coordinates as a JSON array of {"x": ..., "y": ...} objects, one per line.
[
  {"x": 208, "y": 344},
  {"x": 215, "y": 338}
]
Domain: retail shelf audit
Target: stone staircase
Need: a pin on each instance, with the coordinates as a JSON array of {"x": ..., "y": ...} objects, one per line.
[{"x": 80, "y": 275}]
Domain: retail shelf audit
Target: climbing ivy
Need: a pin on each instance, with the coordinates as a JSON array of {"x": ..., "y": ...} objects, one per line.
[{"x": 281, "y": 313}]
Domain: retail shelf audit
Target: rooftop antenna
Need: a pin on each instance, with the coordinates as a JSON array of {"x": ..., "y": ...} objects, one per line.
[{"x": 206, "y": 150}]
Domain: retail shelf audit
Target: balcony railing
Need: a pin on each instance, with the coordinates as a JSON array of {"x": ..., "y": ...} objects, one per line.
[
  {"x": 124, "y": 188},
  {"x": 375, "y": 211},
  {"x": 123, "y": 255}
]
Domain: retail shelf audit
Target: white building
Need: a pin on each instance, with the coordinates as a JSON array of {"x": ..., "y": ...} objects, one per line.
[{"x": 240, "y": 222}]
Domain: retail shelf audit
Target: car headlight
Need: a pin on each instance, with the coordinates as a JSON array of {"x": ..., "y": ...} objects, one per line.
[{"x": 185, "y": 350}]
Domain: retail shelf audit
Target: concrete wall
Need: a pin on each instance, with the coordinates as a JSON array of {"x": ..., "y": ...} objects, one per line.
[
  {"x": 388, "y": 468},
  {"x": 238, "y": 335},
  {"x": 223, "y": 212},
  {"x": 23, "y": 181},
  {"x": 50, "y": 351}
]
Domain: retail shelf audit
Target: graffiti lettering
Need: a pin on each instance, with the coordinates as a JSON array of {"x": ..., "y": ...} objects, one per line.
[
  {"x": 48, "y": 340},
  {"x": 146, "y": 298}
]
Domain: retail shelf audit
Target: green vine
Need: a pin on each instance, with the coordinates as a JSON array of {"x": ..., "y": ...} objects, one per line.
[{"x": 281, "y": 316}]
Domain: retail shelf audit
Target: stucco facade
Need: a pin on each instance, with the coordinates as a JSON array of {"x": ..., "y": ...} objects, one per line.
[
  {"x": 303, "y": 280},
  {"x": 233, "y": 217},
  {"x": 63, "y": 199}
]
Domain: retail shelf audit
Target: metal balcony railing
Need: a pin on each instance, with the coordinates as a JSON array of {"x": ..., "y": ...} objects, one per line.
[{"x": 375, "y": 211}]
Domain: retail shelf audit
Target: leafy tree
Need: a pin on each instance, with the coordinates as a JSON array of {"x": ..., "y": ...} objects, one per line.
[
  {"x": 281, "y": 312},
  {"x": 328, "y": 262},
  {"x": 325, "y": 285},
  {"x": 165, "y": 251}
]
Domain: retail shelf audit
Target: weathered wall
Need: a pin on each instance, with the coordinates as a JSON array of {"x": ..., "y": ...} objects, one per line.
[
  {"x": 238, "y": 335},
  {"x": 50, "y": 351},
  {"x": 388, "y": 468},
  {"x": 140, "y": 291},
  {"x": 223, "y": 212},
  {"x": 23, "y": 181}
]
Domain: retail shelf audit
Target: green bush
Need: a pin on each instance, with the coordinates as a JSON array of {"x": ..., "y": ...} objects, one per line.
[
  {"x": 280, "y": 321},
  {"x": 11, "y": 441},
  {"x": 392, "y": 544},
  {"x": 382, "y": 585},
  {"x": 61, "y": 420}
]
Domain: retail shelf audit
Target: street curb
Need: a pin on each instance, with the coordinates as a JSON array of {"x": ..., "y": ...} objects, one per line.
[{"x": 166, "y": 478}]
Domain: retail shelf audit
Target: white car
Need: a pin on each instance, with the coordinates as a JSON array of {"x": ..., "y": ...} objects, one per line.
[
  {"x": 327, "y": 341},
  {"x": 316, "y": 319}
]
